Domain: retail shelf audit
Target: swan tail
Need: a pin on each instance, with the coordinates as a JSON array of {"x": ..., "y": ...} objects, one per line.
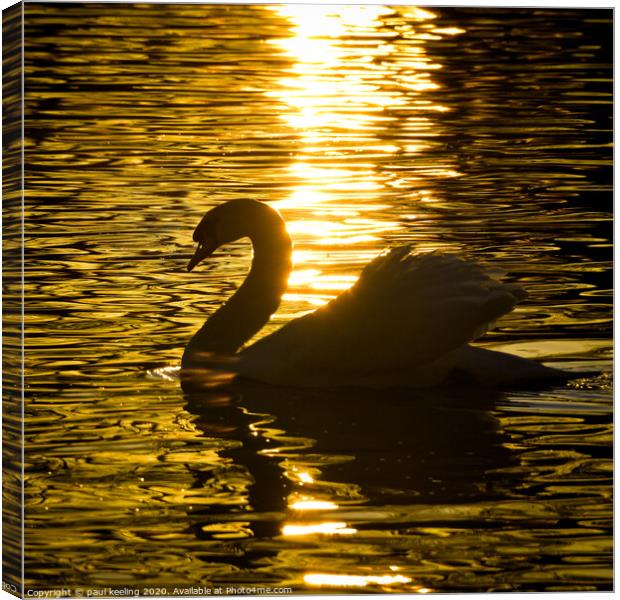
[{"x": 499, "y": 369}]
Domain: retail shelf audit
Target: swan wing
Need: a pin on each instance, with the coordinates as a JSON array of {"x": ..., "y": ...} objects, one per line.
[{"x": 405, "y": 311}]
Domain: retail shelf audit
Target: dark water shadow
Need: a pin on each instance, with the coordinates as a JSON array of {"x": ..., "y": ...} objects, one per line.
[{"x": 394, "y": 447}]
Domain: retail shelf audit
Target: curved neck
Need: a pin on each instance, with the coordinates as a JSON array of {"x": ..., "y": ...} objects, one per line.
[{"x": 245, "y": 313}]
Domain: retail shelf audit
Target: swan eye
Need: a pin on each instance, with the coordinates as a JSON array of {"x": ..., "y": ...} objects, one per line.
[{"x": 206, "y": 230}]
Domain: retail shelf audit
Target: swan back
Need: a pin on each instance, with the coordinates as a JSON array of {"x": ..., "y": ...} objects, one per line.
[{"x": 405, "y": 312}]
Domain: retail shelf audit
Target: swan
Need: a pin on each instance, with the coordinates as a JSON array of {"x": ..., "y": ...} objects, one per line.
[{"x": 407, "y": 322}]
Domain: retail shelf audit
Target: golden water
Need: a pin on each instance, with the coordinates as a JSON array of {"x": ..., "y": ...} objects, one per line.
[{"x": 481, "y": 132}]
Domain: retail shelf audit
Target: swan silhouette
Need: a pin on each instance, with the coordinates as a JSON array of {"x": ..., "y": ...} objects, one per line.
[{"x": 406, "y": 322}]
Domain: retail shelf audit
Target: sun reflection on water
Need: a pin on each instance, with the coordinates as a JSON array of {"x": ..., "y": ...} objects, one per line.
[
  {"x": 350, "y": 83},
  {"x": 310, "y": 504},
  {"x": 333, "y": 580},
  {"x": 328, "y": 528}
]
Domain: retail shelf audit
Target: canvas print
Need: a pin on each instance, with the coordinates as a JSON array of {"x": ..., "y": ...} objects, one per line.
[{"x": 306, "y": 299}]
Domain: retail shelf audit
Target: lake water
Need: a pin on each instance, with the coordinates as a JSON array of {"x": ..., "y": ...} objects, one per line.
[{"x": 483, "y": 132}]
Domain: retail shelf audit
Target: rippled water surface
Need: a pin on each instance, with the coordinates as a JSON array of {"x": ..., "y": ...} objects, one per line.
[{"x": 483, "y": 132}]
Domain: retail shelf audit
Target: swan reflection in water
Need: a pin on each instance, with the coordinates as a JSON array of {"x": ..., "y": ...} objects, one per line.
[
  {"x": 333, "y": 463},
  {"x": 310, "y": 466},
  {"x": 407, "y": 321}
]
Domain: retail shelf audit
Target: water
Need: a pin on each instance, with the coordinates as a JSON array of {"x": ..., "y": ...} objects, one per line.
[{"x": 482, "y": 132}]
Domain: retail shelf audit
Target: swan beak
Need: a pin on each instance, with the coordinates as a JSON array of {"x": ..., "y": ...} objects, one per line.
[{"x": 202, "y": 252}]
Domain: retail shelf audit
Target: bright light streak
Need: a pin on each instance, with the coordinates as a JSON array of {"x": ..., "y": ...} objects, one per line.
[
  {"x": 313, "y": 505},
  {"x": 318, "y": 528},
  {"x": 330, "y": 579}
]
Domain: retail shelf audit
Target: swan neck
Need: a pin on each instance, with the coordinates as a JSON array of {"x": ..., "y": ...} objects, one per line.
[{"x": 245, "y": 313}]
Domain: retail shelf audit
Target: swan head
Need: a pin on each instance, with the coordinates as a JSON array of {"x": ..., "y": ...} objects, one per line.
[
  {"x": 221, "y": 225},
  {"x": 231, "y": 221},
  {"x": 205, "y": 235}
]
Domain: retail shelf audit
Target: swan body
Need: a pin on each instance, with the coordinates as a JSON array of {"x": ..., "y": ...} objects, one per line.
[{"x": 406, "y": 322}]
